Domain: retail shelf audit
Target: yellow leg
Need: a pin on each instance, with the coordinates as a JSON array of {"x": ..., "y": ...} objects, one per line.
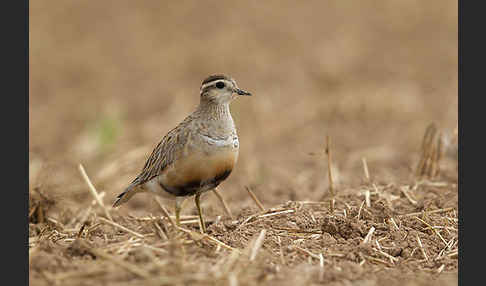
[
  {"x": 198, "y": 205},
  {"x": 178, "y": 207}
]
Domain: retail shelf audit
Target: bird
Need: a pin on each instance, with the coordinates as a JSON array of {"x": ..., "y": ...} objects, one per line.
[{"x": 198, "y": 154}]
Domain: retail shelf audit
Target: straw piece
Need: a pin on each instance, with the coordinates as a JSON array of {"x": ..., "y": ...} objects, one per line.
[
  {"x": 206, "y": 236},
  {"x": 438, "y": 155},
  {"x": 394, "y": 223},
  {"x": 321, "y": 267},
  {"x": 80, "y": 232},
  {"x": 439, "y": 270},
  {"x": 404, "y": 190},
  {"x": 160, "y": 232},
  {"x": 433, "y": 229},
  {"x": 297, "y": 230},
  {"x": 93, "y": 191},
  {"x": 276, "y": 213},
  {"x": 222, "y": 201},
  {"x": 365, "y": 168},
  {"x": 432, "y": 151},
  {"x": 266, "y": 214},
  {"x": 429, "y": 212},
  {"x": 360, "y": 208},
  {"x": 305, "y": 251},
  {"x": 329, "y": 168},
  {"x": 255, "y": 199},
  {"x": 282, "y": 258},
  {"x": 165, "y": 212},
  {"x": 258, "y": 244},
  {"x": 367, "y": 198},
  {"x": 392, "y": 259},
  {"x": 160, "y": 250},
  {"x": 447, "y": 247},
  {"x": 121, "y": 227},
  {"x": 453, "y": 254},
  {"x": 374, "y": 259},
  {"x": 368, "y": 236},
  {"x": 193, "y": 221},
  {"x": 422, "y": 248},
  {"x": 426, "y": 148}
]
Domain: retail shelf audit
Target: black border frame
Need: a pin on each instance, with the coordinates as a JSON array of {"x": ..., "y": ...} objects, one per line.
[{"x": 15, "y": 118}]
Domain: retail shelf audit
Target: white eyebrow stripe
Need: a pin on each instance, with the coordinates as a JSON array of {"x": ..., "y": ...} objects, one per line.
[{"x": 213, "y": 83}]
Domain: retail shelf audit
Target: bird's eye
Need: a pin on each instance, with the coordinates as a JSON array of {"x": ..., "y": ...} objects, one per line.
[{"x": 220, "y": 85}]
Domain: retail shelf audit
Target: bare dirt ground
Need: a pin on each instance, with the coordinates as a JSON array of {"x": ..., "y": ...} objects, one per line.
[{"x": 108, "y": 79}]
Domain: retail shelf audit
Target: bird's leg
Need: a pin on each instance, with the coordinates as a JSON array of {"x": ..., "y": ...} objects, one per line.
[
  {"x": 198, "y": 205},
  {"x": 178, "y": 207}
]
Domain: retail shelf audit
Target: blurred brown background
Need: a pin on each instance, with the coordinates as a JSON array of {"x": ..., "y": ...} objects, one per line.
[{"x": 109, "y": 78}]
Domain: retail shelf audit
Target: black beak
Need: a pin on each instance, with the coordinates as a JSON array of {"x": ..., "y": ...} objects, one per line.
[{"x": 242, "y": 92}]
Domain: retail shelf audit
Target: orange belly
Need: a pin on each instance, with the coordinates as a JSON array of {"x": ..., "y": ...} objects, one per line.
[{"x": 198, "y": 172}]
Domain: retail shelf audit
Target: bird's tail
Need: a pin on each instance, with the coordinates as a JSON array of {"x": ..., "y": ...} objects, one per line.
[{"x": 125, "y": 196}]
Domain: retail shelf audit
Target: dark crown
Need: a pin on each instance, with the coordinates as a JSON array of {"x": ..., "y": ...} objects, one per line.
[{"x": 215, "y": 77}]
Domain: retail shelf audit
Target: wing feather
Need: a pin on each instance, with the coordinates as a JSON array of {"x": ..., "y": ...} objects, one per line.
[{"x": 164, "y": 153}]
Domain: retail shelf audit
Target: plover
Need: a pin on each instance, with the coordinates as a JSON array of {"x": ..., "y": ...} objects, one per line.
[{"x": 198, "y": 154}]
